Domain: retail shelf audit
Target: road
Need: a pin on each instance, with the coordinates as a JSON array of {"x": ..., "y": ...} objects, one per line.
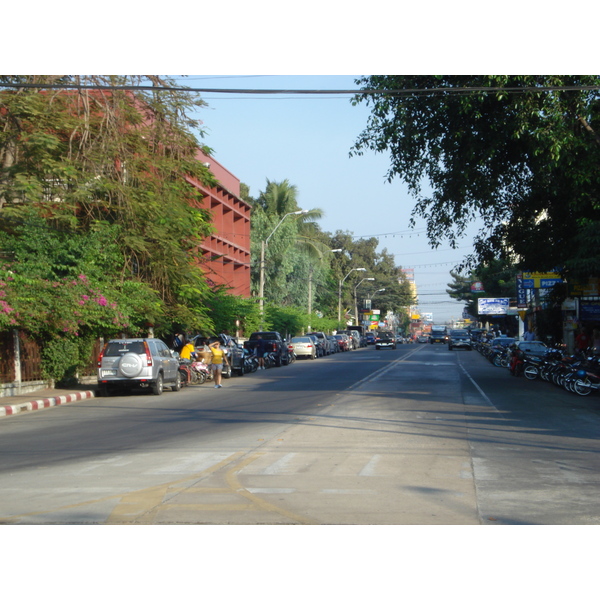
[{"x": 416, "y": 435}]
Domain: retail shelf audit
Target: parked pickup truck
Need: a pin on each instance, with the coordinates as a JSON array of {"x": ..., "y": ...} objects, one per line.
[{"x": 273, "y": 343}]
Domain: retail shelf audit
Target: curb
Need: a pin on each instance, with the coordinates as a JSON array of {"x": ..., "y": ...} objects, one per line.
[{"x": 13, "y": 409}]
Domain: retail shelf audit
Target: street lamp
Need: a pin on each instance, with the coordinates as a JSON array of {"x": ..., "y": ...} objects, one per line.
[
  {"x": 355, "y": 296},
  {"x": 263, "y": 245},
  {"x": 340, "y": 290}
]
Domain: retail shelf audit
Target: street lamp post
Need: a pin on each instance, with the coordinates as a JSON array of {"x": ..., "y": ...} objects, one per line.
[
  {"x": 263, "y": 246},
  {"x": 355, "y": 296},
  {"x": 340, "y": 290}
]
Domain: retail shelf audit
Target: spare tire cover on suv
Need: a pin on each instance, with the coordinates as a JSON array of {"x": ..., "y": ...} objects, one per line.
[{"x": 130, "y": 365}]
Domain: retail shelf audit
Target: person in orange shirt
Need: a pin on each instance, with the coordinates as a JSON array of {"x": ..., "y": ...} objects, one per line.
[{"x": 218, "y": 359}]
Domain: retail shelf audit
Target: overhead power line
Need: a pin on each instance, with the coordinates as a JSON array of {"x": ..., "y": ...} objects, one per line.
[{"x": 360, "y": 92}]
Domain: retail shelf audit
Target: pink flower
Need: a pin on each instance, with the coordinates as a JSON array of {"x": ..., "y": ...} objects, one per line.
[
  {"x": 6, "y": 307},
  {"x": 83, "y": 278},
  {"x": 102, "y": 301}
]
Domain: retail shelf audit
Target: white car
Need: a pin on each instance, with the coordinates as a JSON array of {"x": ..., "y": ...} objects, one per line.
[{"x": 303, "y": 346}]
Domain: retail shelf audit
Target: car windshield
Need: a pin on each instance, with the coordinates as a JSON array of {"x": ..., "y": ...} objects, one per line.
[
  {"x": 528, "y": 346},
  {"x": 459, "y": 333},
  {"x": 301, "y": 340},
  {"x": 119, "y": 348},
  {"x": 503, "y": 341},
  {"x": 265, "y": 335}
]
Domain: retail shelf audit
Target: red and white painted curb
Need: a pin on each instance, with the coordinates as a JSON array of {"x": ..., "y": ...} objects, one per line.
[{"x": 13, "y": 409}]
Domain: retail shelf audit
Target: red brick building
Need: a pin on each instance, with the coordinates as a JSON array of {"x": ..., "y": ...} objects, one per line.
[{"x": 227, "y": 251}]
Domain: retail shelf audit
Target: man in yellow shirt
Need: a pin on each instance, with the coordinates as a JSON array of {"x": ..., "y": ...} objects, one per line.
[
  {"x": 188, "y": 351},
  {"x": 218, "y": 359}
]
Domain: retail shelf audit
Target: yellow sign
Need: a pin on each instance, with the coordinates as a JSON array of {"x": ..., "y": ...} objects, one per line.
[{"x": 537, "y": 275}]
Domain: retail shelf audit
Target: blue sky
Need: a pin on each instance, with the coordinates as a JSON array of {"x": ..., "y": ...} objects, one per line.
[{"x": 307, "y": 140}]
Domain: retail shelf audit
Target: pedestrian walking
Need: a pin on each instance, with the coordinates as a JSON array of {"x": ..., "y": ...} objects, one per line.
[{"x": 218, "y": 359}]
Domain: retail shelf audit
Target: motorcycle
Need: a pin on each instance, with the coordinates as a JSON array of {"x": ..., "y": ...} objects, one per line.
[
  {"x": 185, "y": 372},
  {"x": 201, "y": 371},
  {"x": 499, "y": 357},
  {"x": 250, "y": 361},
  {"x": 585, "y": 378}
]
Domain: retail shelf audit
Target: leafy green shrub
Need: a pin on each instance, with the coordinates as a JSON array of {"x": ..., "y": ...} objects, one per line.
[{"x": 60, "y": 359}]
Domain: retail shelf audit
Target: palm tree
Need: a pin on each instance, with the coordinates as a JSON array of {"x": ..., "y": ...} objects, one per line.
[{"x": 299, "y": 233}]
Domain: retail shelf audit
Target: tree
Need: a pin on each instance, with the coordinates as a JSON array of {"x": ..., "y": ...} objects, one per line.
[
  {"x": 83, "y": 158},
  {"x": 519, "y": 152},
  {"x": 498, "y": 279},
  {"x": 362, "y": 253},
  {"x": 292, "y": 242}
]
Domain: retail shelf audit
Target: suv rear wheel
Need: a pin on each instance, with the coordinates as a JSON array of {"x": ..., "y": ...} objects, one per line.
[
  {"x": 177, "y": 385},
  {"x": 158, "y": 385}
]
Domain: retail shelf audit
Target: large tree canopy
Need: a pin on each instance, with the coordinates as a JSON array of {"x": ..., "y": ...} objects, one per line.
[
  {"x": 83, "y": 158},
  {"x": 521, "y": 153}
]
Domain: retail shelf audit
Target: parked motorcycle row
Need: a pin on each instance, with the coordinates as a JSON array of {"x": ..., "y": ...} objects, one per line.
[{"x": 577, "y": 373}]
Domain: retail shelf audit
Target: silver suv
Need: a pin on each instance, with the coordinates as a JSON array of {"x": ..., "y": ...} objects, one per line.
[{"x": 137, "y": 364}]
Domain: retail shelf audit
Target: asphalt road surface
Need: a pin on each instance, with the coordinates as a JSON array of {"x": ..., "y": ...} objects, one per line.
[{"x": 417, "y": 435}]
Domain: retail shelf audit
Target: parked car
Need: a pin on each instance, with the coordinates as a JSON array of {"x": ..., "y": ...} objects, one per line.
[
  {"x": 137, "y": 363},
  {"x": 370, "y": 337},
  {"x": 317, "y": 343},
  {"x": 354, "y": 337},
  {"x": 333, "y": 344},
  {"x": 533, "y": 348},
  {"x": 459, "y": 338},
  {"x": 385, "y": 339},
  {"x": 323, "y": 341},
  {"x": 502, "y": 341},
  {"x": 303, "y": 346},
  {"x": 344, "y": 342}
]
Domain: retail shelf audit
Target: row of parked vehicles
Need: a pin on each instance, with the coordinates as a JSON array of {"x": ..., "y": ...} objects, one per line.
[
  {"x": 578, "y": 373},
  {"x": 318, "y": 344},
  {"x": 149, "y": 364}
]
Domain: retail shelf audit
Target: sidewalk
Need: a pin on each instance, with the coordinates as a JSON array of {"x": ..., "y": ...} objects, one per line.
[{"x": 45, "y": 398}]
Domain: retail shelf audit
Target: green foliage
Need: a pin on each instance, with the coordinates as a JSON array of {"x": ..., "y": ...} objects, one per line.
[
  {"x": 289, "y": 321},
  {"x": 92, "y": 184},
  {"x": 227, "y": 310},
  {"x": 522, "y": 159},
  {"x": 60, "y": 358}
]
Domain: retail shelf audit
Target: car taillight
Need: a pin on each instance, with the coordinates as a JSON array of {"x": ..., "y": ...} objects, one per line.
[
  {"x": 148, "y": 354},
  {"x": 101, "y": 355}
]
